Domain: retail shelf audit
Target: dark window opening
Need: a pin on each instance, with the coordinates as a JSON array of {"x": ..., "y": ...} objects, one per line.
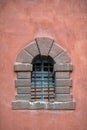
[{"x": 42, "y": 79}]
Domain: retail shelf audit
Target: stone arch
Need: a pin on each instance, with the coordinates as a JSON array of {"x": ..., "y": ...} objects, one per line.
[
  {"x": 63, "y": 67},
  {"x": 43, "y": 46}
]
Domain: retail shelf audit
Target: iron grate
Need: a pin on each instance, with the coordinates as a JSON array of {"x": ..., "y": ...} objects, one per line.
[{"x": 42, "y": 81}]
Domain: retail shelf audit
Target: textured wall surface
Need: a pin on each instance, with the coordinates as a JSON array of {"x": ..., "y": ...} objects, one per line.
[{"x": 20, "y": 22}]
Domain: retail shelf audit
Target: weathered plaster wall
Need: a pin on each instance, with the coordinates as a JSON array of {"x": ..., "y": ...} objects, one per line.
[{"x": 20, "y": 22}]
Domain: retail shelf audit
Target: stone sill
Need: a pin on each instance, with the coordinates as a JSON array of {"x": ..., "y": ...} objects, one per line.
[{"x": 27, "y": 105}]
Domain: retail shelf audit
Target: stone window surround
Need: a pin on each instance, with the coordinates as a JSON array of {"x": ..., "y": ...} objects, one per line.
[{"x": 62, "y": 68}]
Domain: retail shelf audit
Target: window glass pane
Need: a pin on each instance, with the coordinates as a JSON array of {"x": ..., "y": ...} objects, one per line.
[
  {"x": 38, "y": 64},
  {"x": 51, "y": 69},
  {"x": 38, "y": 68},
  {"x": 50, "y": 64},
  {"x": 33, "y": 68},
  {"x": 45, "y": 64},
  {"x": 45, "y": 69}
]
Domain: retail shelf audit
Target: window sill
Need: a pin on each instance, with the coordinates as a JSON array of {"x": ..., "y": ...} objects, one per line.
[{"x": 38, "y": 105}]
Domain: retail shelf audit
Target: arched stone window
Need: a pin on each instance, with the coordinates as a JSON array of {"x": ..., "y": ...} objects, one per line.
[{"x": 43, "y": 77}]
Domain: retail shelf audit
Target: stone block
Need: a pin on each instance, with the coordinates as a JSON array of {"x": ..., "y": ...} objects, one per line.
[
  {"x": 62, "y": 90},
  {"x": 61, "y": 106},
  {"x": 62, "y": 58},
  {"x": 26, "y": 105},
  {"x": 63, "y": 82},
  {"x": 32, "y": 49},
  {"x": 55, "y": 50},
  {"x": 37, "y": 105},
  {"x": 22, "y": 67},
  {"x": 24, "y": 57},
  {"x": 44, "y": 45},
  {"x": 62, "y": 75},
  {"x": 23, "y": 82},
  {"x": 63, "y": 67},
  {"x": 63, "y": 97},
  {"x": 23, "y": 90},
  {"x": 20, "y": 105},
  {"x": 24, "y": 75},
  {"x": 23, "y": 97}
]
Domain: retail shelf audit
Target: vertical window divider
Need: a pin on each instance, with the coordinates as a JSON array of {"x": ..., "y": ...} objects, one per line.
[
  {"x": 35, "y": 82},
  {"x": 48, "y": 83}
]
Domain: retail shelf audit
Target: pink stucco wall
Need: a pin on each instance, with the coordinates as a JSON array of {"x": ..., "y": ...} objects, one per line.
[{"x": 20, "y": 22}]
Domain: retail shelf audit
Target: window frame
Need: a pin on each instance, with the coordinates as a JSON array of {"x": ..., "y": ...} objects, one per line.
[{"x": 63, "y": 67}]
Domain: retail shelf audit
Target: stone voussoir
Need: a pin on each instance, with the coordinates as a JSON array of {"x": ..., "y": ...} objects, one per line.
[
  {"x": 55, "y": 50},
  {"x": 24, "y": 57},
  {"x": 62, "y": 58},
  {"x": 44, "y": 45},
  {"x": 32, "y": 49}
]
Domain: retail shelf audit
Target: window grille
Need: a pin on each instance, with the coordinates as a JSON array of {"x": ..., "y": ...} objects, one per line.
[{"x": 42, "y": 79}]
